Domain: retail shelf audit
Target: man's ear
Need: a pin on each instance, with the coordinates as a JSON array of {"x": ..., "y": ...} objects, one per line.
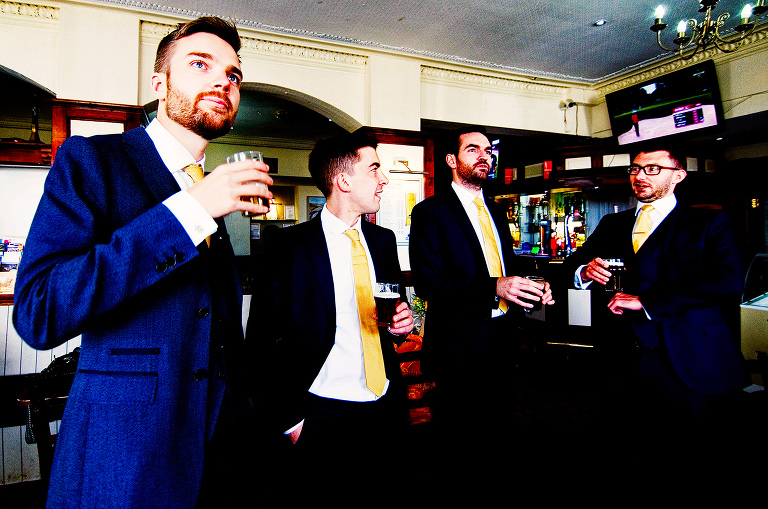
[
  {"x": 451, "y": 160},
  {"x": 341, "y": 183},
  {"x": 679, "y": 176},
  {"x": 160, "y": 85}
]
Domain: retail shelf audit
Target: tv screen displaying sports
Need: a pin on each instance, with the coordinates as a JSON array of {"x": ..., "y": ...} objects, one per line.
[{"x": 676, "y": 103}]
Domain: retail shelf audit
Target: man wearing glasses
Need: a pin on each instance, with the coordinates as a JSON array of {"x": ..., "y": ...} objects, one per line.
[{"x": 675, "y": 362}]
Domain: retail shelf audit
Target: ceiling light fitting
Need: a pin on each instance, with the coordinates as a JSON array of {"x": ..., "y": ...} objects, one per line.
[{"x": 708, "y": 31}]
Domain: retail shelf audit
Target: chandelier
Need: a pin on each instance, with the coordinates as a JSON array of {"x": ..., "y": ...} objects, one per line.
[{"x": 707, "y": 32}]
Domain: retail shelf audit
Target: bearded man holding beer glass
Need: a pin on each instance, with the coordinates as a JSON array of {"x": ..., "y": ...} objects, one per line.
[{"x": 667, "y": 338}]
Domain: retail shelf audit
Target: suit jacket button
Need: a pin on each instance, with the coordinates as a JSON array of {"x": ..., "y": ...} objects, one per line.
[
  {"x": 179, "y": 257},
  {"x": 203, "y": 312},
  {"x": 201, "y": 374},
  {"x": 161, "y": 267}
]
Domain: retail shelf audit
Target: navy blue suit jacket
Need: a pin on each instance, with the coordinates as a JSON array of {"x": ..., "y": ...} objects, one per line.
[
  {"x": 105, "y": 259},
  {"x": 450, "y": 272},
  {"x": 687, "y": 275},
  {"x": 292, "y": 325}
]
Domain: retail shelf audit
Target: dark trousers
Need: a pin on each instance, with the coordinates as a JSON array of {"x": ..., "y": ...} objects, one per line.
[{"x": 348, "y": 453}]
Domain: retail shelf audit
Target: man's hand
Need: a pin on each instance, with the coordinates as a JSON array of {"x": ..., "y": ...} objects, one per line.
[
  {"x": 402, "y": 322},
  {"x": 523, "y": 291},
  {"x": 596, "y": 270},
  {"x": 622, "y": 301},
  {"x": 220, "y": 191}
]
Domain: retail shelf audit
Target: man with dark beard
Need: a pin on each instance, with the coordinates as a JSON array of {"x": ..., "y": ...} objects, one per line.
[
  {"x": 128, "y": 248},
  {"x": 463, "y": 265}
]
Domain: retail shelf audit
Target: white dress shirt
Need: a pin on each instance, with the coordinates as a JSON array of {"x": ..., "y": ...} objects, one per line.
[
  {"x": 193, "y": 217},
  {"x": 343, "y": 373},
  {"x": 467, "y": 201}
]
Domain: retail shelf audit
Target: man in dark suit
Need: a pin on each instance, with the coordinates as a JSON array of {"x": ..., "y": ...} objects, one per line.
[
  {"x": 333, "y": 384},
  {"x": 677, "y": 360},
  {"x": 117, "y": 252},
  {"x": 469, "y": 281}
]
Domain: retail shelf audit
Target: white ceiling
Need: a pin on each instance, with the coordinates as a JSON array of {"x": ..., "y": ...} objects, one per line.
[{"x": 545, "y": 38}]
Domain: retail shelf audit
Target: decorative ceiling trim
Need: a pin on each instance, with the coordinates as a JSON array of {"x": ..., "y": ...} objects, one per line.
[
  {"x": 151, "y": 30},
  {"x": 437, "y": 74},
  {"x": 29, "y": 10},
  {"x": 307, "y": 34}
]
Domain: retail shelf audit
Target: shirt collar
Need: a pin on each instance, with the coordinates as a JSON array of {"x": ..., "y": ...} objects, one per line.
[
  {"x": 465, "y": 196},
  {"x": 663, "y": 205},
  {"x": 335, "y": 226},
  {"x": 172, "y": 152}
]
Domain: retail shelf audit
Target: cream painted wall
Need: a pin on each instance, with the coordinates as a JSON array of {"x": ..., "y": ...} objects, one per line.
[
  {"x": 97, "y": 54},
  {"x": 394, "y": 82},
  {"x": 33, "y": 34}
]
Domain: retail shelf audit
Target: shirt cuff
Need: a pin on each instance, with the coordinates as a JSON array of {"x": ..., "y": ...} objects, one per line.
[
  {"x": 192, "y": 215},
  {"x": 577, "y": 281}
]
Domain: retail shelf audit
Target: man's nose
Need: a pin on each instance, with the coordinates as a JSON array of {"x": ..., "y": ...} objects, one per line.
[{"x": 221, "y": 82}]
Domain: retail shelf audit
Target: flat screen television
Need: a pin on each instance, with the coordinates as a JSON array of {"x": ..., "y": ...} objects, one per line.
[{"x": 675, "y": 104}]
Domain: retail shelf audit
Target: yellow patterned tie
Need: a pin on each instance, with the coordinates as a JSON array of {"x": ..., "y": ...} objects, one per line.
[
  {"x": 642, "y": 228},
  {"x": 195, "y": 172},
  {"x": 491, "y": 249},
  {"x": 373, "y": 359}
]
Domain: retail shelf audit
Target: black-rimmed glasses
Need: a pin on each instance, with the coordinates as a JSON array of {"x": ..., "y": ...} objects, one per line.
[{"x": 649, "y": 169}]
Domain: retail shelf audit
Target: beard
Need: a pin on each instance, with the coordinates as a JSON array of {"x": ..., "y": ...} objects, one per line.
[
  {"x": 471, "y": 174},
  {"x": 185, "y": 112},
  {"x": 648, "y": 193}
]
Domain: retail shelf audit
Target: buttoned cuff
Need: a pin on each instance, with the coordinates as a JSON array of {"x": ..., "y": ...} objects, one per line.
[{"x": 192, "y": 215}]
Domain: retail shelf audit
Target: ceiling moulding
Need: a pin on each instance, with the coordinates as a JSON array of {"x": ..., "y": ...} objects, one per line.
[
  {"x": 154, "y": 32},
  {"x": 41, "y": 12},
  {"x": 758, "y": 41},
  {"x": 484, "y": 81},
  {"x": 340, "y": 40}
]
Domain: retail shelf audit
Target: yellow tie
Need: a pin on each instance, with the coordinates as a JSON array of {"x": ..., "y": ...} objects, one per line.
[
  {"x": 491, "y": 249},
  {"x": 373, "y": 359},
  {"x": 195, "y": 172},
  {"x": 643, "y": 227}
]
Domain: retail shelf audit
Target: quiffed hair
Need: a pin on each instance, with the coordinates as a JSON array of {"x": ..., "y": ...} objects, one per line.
[
  {"x": 221, "y": 28},
  {"x": 335, "y": 155}
]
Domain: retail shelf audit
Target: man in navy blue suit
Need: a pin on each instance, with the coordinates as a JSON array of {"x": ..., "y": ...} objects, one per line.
[
  {"x": 128, "y": 248},
  {"x": 668, "y": 332},
  {"x": 308, "y": 332}
]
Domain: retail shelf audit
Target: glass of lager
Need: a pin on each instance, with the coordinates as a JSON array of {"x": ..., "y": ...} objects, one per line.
[{"x": 244, "y": 156}]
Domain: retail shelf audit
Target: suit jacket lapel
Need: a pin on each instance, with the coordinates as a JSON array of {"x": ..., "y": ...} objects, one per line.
[
  {"x": 142, "y": 151},
  {"x": 460, "y": 213},
  {"x": 317, "y": 248}
]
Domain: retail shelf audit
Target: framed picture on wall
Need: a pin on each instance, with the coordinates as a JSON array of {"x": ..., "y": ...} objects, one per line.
[{"x": 314, "y": 206}]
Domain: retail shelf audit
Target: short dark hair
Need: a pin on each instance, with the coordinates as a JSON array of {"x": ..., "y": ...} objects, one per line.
[
  {"x": 458, "y": 133},
  {"x": 675, "y": 153},
  {"x": 334, "y": 155},
  {"x": 225, "y": 30}
]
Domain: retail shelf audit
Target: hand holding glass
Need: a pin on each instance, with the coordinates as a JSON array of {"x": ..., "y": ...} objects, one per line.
[
  {"x": 255, "y": 156},
  {"x": 537, "y": 303}
]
